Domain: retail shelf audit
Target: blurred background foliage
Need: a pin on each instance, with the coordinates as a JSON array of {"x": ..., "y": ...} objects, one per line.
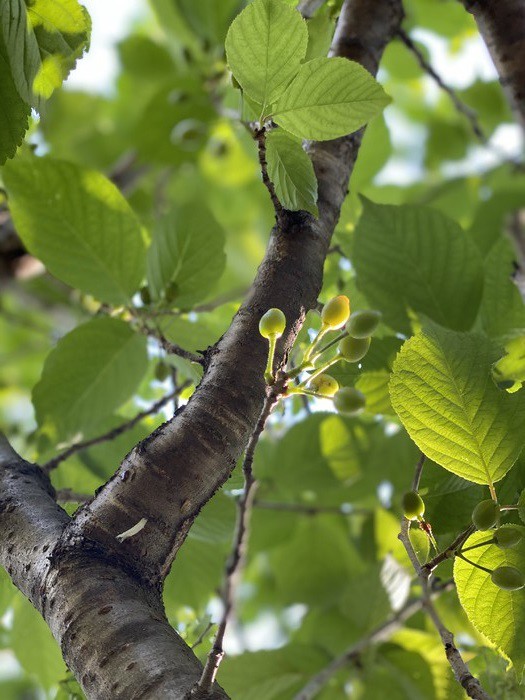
[{"x": 324, "y": 531}]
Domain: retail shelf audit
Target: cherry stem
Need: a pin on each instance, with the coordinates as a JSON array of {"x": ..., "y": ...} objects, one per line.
[
  {"x": 477, "y": 566},
  {"x": 268, "y": 373},
  {"x": 475, "y": 546},
  {"x": 493, "y": 493},
  {"x": 299, "y": 390},
  {"x": 329, "y": 345},
  {"x": 320, "y": 370},
  {"x": 322, "y": 331},
  {"x": 509, "y": 507}
]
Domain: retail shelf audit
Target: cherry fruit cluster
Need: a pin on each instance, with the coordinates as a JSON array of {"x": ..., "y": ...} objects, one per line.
[{"x": 352, "y": 341}]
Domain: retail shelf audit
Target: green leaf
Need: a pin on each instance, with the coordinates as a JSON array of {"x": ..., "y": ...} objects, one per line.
[
  {"x": 264, "y": 48},
  {"x": 186, "y": 254},
  {"x": 410, "y": 258},
  {"x": 499, "y": 615},
  {"x": 14, "y": 113},
  {"x": 272, "y": 675},
  {"x": 34, "y": 645},
  {"x": 442, "y": 390},
  {"x": 502, "y": 310},
  {"x": 329, "y": 97},
  {"x": 80, "y": 226},
  {"x": 43, "y": 41},
  {"x": 292, "y": 173},
  {"x": 320, "y": 34},
  {"x": 92, "y": 371}
]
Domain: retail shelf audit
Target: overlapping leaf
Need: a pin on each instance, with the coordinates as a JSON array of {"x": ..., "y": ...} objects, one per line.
[
  {"x": 43, "y": 40},
  {"x": 292, "y": 173},
  {"x": 187, "y": 254},
  {"x": 442, "y": 390},
  {"x": 499, "y": 615},
  {"x": 90, "y": 373},
  {"x": 329, "y": 97},
  {"x": 80, "y": 226},
  {"x": 264, "y": 47},
  {"x": 415, "y": 258}
]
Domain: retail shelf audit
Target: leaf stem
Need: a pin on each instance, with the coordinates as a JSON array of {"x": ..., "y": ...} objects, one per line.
[{"x": 477, "y": 566}]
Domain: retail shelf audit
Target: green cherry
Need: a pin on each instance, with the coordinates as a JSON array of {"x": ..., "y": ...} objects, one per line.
[
  {"x": 272, "y": 324},
  {"x": 353, "y": 349},
  {"x": 362, "y": 324},
  {"x": 508, "y": 578},
  {"x": 486, "y": 514},
  {"x": 349, "y": 401},
  {"x": 335, "y": 312},
  {"x": 413, "y": 505},
  {"x": 507, "y": 536},
  {"x": 324, "y": 384}
]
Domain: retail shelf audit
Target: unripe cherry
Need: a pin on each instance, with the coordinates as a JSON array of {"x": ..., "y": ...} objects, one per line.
[
  {"x": 353, "y": 349},
  {"x": 362, "y": 324},
  {"x": 413, "y": 505},
  {"x": 335, "y": 312},
  {"x": 507, "y": 536},
  {"x": 349, "y": 401},
  {"x": 508, "y": 578},
  {"x": 324, "y": 384},
  {"x": 272, "y": 324},
  {"x": 486, "y": 514}
]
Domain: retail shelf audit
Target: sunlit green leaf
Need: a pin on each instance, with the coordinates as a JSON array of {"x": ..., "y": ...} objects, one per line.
[
  {"x": 442, "y": 390},
  {"x": 79, "y": 225},
  {"x": 499, "y": 615},
  {"x": 329, "y": 97},
  {"x": 90, "y": 373},
  {"x": 415, "y": 259},
  {"x": 292, "y": 173},
  {"x": 264, "y": 47}
]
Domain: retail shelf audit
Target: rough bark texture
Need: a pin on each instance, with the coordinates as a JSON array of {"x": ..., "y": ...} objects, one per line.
[
  {"x": 502, "y": 26},
  {"x": 102, "y": 598}
]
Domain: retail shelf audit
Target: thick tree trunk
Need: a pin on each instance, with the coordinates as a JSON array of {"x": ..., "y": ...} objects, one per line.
[
  {"x": 101, "y": 598},
  {"x": 502, "y": 26}
]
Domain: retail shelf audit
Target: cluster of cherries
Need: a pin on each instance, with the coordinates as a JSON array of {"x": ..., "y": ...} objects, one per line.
[
  {"x": 353, "y": 342},
  {"x": 485, "y": 517}
]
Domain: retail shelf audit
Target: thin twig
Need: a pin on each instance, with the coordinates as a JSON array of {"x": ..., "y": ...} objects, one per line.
[
  {"x": 379, "y": 634},
  {"x": 235, "y": 562},
  {"x": 418, "y": 471},
  {"x": 449, "y": 551},
  {"x": 169, "y": 347},
  {"x": 115, "y": 432},
  {"x": 469, "y": 683},
  {"x": 201, "y": 636},
  {"x": 70, "y": 496},
  {"x": 260, "y": 136},
  {"x": 304, "y": 509},
  {"x": 460, "y": 106}
]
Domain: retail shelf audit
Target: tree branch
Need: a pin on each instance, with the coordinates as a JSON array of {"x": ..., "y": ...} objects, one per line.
[
  {"x": 168, "y": 477},
  {"x": 460, "y": 106},
  {"x": 114, "y": 432},
  {"x": 238, "y": 554},
  {"x": 304, "y": 509},
  {"x": 447, "y": 553},
  {"x": 502, "y": 25},
  {"x": 109, "y": 623},
  {"x": 260, "y": 137},
  {"x": 379, "y": 634},
  {"x": 469, "y": 683},
  {"x": 101, "y": 597}
]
